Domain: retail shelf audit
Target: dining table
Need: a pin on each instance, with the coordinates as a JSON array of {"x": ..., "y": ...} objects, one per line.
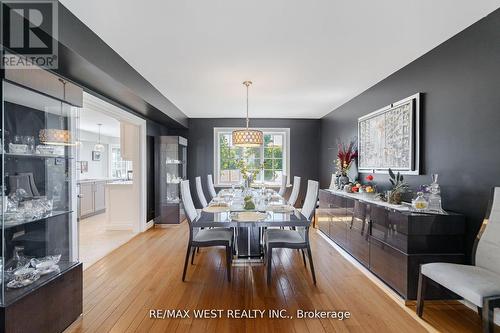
[{"x": 269, "y": 210}]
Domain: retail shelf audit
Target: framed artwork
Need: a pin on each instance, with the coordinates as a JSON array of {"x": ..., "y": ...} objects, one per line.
[
  {"x": 84, "y": 166},
  {"x": 389, "y": 138},
  {"x": 96, "y": 155}
]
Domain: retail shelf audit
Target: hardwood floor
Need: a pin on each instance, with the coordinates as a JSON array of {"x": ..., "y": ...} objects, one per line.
[
  {"x": 96, "y": 241},
  {"x": 145, "y": 274}
]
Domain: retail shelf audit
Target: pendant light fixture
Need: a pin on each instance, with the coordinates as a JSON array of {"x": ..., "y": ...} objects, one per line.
[
  {"x": 248, "y": 137},
  {"x": 98, "y": 146},
  {"x": 57, "y": 136}
]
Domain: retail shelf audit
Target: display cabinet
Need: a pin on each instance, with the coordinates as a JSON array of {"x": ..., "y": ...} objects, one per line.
[
  {"x": 41, "y": 275},
  {"x": 171, "y": 166}
]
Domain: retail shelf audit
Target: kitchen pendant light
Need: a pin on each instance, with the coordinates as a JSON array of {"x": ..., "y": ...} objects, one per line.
[
  {"x": 98, "y": 146},
  {"x": 57, "y": 136},
  {"x": 247, "y": 137}
]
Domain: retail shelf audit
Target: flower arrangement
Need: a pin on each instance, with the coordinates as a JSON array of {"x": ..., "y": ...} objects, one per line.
[
  {"x": 399, "y": 186},
  {"x": 247, "y": 174},
  {"x": 370, "y": 187},
  {"x": 345, "y": 156}
]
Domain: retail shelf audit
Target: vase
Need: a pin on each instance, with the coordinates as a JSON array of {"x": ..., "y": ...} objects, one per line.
[
  {"x": 395, "y": 197},
  {"x": 343, "y": 180},
  {"x": 248, "y": 182}
]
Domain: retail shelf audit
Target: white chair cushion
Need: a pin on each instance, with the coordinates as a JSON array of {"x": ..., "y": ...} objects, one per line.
[
  {"x": 283, "y": 236},
  {"x": 217, "y": 234},
  {"x": 471, "y": 282}
]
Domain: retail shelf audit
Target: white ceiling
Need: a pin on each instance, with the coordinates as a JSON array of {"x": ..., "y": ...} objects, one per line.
[{"x": 306, "y": 58}]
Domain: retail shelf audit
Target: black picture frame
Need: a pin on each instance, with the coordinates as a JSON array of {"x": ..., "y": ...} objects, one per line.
[{"x": 96, "y": 155}]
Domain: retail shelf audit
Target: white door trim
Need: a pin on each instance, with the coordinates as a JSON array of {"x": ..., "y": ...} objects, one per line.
[{"x": 123, "y": 115}]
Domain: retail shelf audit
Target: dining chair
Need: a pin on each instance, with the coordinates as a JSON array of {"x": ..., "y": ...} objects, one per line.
[
  {"x": 295, "y": 191},
  {"x": 203, "y": 237},
  {"x": 293, "y": 239},
  {"x": 211, "y": 188},
  {"x": 199, "y": 191},
  {"x": 478, "y": 283},
  {"x": 282, "y": 190}
]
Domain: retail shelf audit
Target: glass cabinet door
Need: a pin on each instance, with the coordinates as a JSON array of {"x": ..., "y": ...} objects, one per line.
[
  {"x": 171, "y": 157},
  {"x": 38, "y": 148}
]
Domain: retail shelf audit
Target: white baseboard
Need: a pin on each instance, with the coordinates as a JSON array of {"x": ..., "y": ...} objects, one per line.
[
  {"x": 387, "y": 289},
  {"x": 474, "y": 308},
  {"x": 149, "y": 224}
]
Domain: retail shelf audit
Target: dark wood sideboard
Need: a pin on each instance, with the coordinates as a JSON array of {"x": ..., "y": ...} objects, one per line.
[{"x": 391, "y": 243}]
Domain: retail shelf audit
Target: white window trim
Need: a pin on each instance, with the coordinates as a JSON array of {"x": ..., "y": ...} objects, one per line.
[
  {"x": 110, "y": 159},
  {"x": 286, "y": 152}
]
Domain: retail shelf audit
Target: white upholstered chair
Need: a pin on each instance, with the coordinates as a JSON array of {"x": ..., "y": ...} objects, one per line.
[
  {"x": 211, "y": 187},
  {"x": 199, "y": 191},
  {"x": 282, "y": 190},
  {"x": 203, "y": 237},
  {"x": 479, "y": 284},
  {"x": 293, "y": 239},
  {"x": 295, "y": 191}
]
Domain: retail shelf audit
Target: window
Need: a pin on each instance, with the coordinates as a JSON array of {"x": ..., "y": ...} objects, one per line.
[
  {"x": 118, "y": 167},
  {"x": 272, "y": 159}
]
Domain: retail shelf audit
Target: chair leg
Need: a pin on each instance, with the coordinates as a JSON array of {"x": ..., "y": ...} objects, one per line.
[
  {"x": 229, "y": 254},
  {"x": 198, "y": 250},
  {"x": 489, "y": 305},
  {"x": 303, "y": 257},
  {"x": 422, "y": 285},
  {"x": 186, "y": 262},
  {"x": 192, "y": 256},
  {"x": 480, "y": 312},
  {"x": 269, "y": 260},
  {"x": 311, "y": 265},
  {"x": 264, "y": 253}
]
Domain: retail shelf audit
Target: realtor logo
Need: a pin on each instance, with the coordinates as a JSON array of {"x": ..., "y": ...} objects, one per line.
[{"x": 29, "y": 33}]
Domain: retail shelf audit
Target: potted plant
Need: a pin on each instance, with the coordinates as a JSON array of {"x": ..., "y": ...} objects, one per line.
[
  {"x": 399, "y": 186},
  {"x": 249, "y": 204},
  {"x": 345, "y": 156}
]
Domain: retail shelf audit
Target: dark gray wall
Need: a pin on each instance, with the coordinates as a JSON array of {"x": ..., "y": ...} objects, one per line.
[
  {"x": 304, "y": 143},
  {"x": 460, "y": 132}
]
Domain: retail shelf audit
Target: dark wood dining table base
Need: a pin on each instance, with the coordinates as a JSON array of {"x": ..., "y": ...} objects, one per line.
[{"x": 249, "y": 244}]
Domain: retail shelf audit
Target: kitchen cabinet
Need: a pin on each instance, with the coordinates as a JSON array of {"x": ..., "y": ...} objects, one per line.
[
  {"x": 392, "y": 243},
  {"x": 85, "y": 199},
  {"x": 91, "y": 198},
  {"x": 99, "y": 196}
]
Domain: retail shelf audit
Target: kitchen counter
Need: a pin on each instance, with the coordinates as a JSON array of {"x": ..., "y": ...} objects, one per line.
[
  {"x": 121, "y": 182},
  {"x": 121, "y": 208},
  {"x": 106, "y": 180},
  {"x": 93, "y": 180}
]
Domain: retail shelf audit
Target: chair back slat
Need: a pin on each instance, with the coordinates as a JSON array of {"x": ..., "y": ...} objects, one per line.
[
  {"x": 295, "y": 191},
  {"x": 211, "y": 187},
  {"x": 187, "y": 202},
  {"x": 311, "y": 199},
  {"x": 201, "y": 195},
  {"x": 488, "y": 246},
  {"x": 283, "y": 185}
]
